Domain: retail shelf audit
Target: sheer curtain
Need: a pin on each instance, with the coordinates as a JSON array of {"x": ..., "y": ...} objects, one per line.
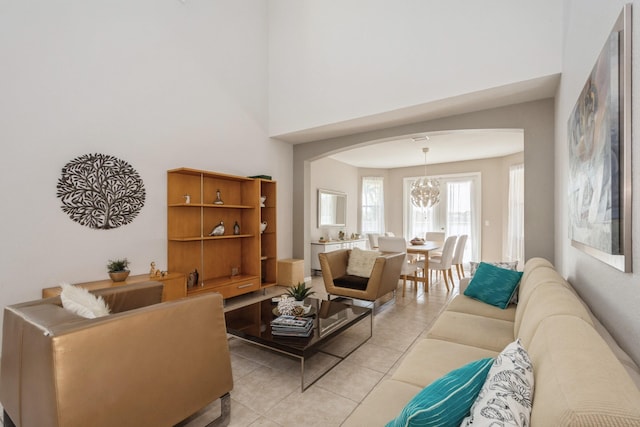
[
  {"x": 460, "y": 215},
  {"x": 515, "y": 226},
  {"x": 372, "y": 211}
]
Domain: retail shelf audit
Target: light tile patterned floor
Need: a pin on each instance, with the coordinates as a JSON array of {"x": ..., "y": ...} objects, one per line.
[{"x": 267, "y": 384}]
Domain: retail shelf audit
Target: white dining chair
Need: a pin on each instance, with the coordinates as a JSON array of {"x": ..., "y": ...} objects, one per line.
[
  {"x": 443, "y": 263},
  {"x": 399, "y": 244},
  {"x": 373, "y": 240},
  {"x": 435, "y": 236},
  {"x": 458, "y": 254}
]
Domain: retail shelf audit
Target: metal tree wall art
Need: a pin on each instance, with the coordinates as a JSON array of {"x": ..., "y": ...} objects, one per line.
[{"x": 100, "y": 191}]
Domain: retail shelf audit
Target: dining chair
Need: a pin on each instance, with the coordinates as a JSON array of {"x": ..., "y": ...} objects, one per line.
[
  {"x": 458, "y": 254},
  {"x": 399, "y": 244},
  {"x": 443, "y": 263},
  {"x": 373, "y": 240},
  {"x": 435, "y": 236}
]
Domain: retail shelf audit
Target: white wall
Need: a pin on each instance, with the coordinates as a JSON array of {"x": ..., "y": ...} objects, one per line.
[
  {"x": 336, "y": 60},
  {"x": 612, "y": 295},
  {"x": 158, "y": 84}
]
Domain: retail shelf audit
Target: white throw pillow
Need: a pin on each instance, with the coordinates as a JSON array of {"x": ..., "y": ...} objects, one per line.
[
  {"x": 361, "y": 262},
  {"x": 505, "y": 398},
  {"x": 82, "y": 302}
]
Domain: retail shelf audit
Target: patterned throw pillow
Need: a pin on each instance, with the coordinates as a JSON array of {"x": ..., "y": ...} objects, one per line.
[
  {"x": 509, "y": 265},
  {"x": 505, "y": 398},
  {"x": 493, "y": 285},
  {"x": 361, "y": 262},
  {"x": 446, "y": 401}
]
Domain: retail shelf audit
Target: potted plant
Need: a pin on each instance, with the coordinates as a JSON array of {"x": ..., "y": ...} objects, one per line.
[
  {"x": 300, "y": 292},
  {"x": 118, "y": 269}
]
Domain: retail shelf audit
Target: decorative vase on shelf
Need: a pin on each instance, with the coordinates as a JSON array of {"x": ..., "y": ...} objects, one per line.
[
  {"x": 262, "y": 200},
  {"x": 119, "y": 276},
  {"x": 192, "y": 280},
  {"x": 263, "y": 226},
  {"x": 236, "y": 228}
]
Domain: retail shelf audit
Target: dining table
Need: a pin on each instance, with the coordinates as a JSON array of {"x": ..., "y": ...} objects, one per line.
[{"x": 423, "y": 249}]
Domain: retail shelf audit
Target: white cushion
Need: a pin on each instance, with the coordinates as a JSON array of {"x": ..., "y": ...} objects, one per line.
[
  {"x": 509, "y": 265},
  {"x": 361, "y": 262},
  {"x": 82, "y": 302},
  {"x": 505, "y": 398}
]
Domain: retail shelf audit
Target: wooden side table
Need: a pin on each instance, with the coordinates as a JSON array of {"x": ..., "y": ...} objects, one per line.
[{"x": 175, "y": 285}]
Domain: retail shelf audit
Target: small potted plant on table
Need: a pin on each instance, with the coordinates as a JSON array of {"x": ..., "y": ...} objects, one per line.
[
  {"x": 118, "y": 269},
  {"x": 300, "y": 292}
]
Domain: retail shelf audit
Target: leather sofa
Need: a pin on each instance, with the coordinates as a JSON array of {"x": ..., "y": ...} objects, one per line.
[
  {"x": 148, "y": 363},
  {"x": 383, "y": 279},
  {"x": 581, "y": 376}
]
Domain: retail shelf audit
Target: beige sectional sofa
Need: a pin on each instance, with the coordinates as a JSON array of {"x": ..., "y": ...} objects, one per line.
[{"x": 582, "y": 378}]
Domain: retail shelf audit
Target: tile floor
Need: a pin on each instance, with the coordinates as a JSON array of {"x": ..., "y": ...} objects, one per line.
[{"x": 267, "y": 385}]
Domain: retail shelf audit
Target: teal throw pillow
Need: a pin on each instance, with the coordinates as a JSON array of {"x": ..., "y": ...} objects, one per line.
[
  {"x": 447, "y": 400},
  {"x": 493, "y": 285}
]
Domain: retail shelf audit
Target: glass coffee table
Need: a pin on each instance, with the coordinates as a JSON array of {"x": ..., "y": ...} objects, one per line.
[{"x": 338, "y": 330}]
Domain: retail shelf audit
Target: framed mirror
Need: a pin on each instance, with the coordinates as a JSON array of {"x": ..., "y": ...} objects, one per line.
[{"x": 332, "y": 208}]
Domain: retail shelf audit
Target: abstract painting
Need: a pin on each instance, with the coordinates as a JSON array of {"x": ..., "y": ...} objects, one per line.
[{"x": 599, "y": 157}]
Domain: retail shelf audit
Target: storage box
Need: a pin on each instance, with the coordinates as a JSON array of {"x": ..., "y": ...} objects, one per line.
[{"x": 290, "y": 272}]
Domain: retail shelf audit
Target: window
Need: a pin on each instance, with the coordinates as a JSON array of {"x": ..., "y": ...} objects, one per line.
[
  {"x": 372, "y": 204},
  {"x": 457, "y": 213},
  {"x": 515, "y": 226}
]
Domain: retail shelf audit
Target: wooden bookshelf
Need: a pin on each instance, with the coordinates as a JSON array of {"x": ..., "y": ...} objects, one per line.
[{"x": 232, "y": 264}]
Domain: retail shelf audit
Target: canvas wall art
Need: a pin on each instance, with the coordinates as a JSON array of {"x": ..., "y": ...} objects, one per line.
[{"x": 599, "y": 131}]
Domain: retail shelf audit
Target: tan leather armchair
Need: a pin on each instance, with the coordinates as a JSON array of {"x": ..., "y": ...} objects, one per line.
[
  {"x": 384, "y": 276},
  {"x": 146, "y": 364}
]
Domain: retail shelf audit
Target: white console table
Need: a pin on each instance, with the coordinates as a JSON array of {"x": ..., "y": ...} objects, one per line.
[{"x": 333, "y": 245}]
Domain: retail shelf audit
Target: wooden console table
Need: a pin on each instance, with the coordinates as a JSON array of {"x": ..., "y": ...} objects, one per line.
[{"x": 175, "y": 285}]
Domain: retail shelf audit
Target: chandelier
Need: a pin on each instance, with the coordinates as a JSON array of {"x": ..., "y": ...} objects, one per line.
[{"x": 425, "y": 191}]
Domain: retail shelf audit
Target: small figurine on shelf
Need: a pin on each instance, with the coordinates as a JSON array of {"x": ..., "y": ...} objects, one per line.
[
  {"x": 187, "y": 198},
  {"x": 263, "y": 226},
  {"x": 153, "y": 271},
  {"x": 218, "y": 230},
  {"x": 262, "y": 200},
  {"x": 192, "y": 280},
  {"x": 236, "y": 228},
  {"x": 341, "y": 235},
  {"x": 218, "y": 200}
]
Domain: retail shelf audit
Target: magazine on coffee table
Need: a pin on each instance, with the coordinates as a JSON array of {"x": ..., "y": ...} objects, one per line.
[{"x": 292, "y": 326}]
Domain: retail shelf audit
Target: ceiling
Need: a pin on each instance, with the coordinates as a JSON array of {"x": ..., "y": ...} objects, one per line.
[{"x": 444, "y": 147}]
